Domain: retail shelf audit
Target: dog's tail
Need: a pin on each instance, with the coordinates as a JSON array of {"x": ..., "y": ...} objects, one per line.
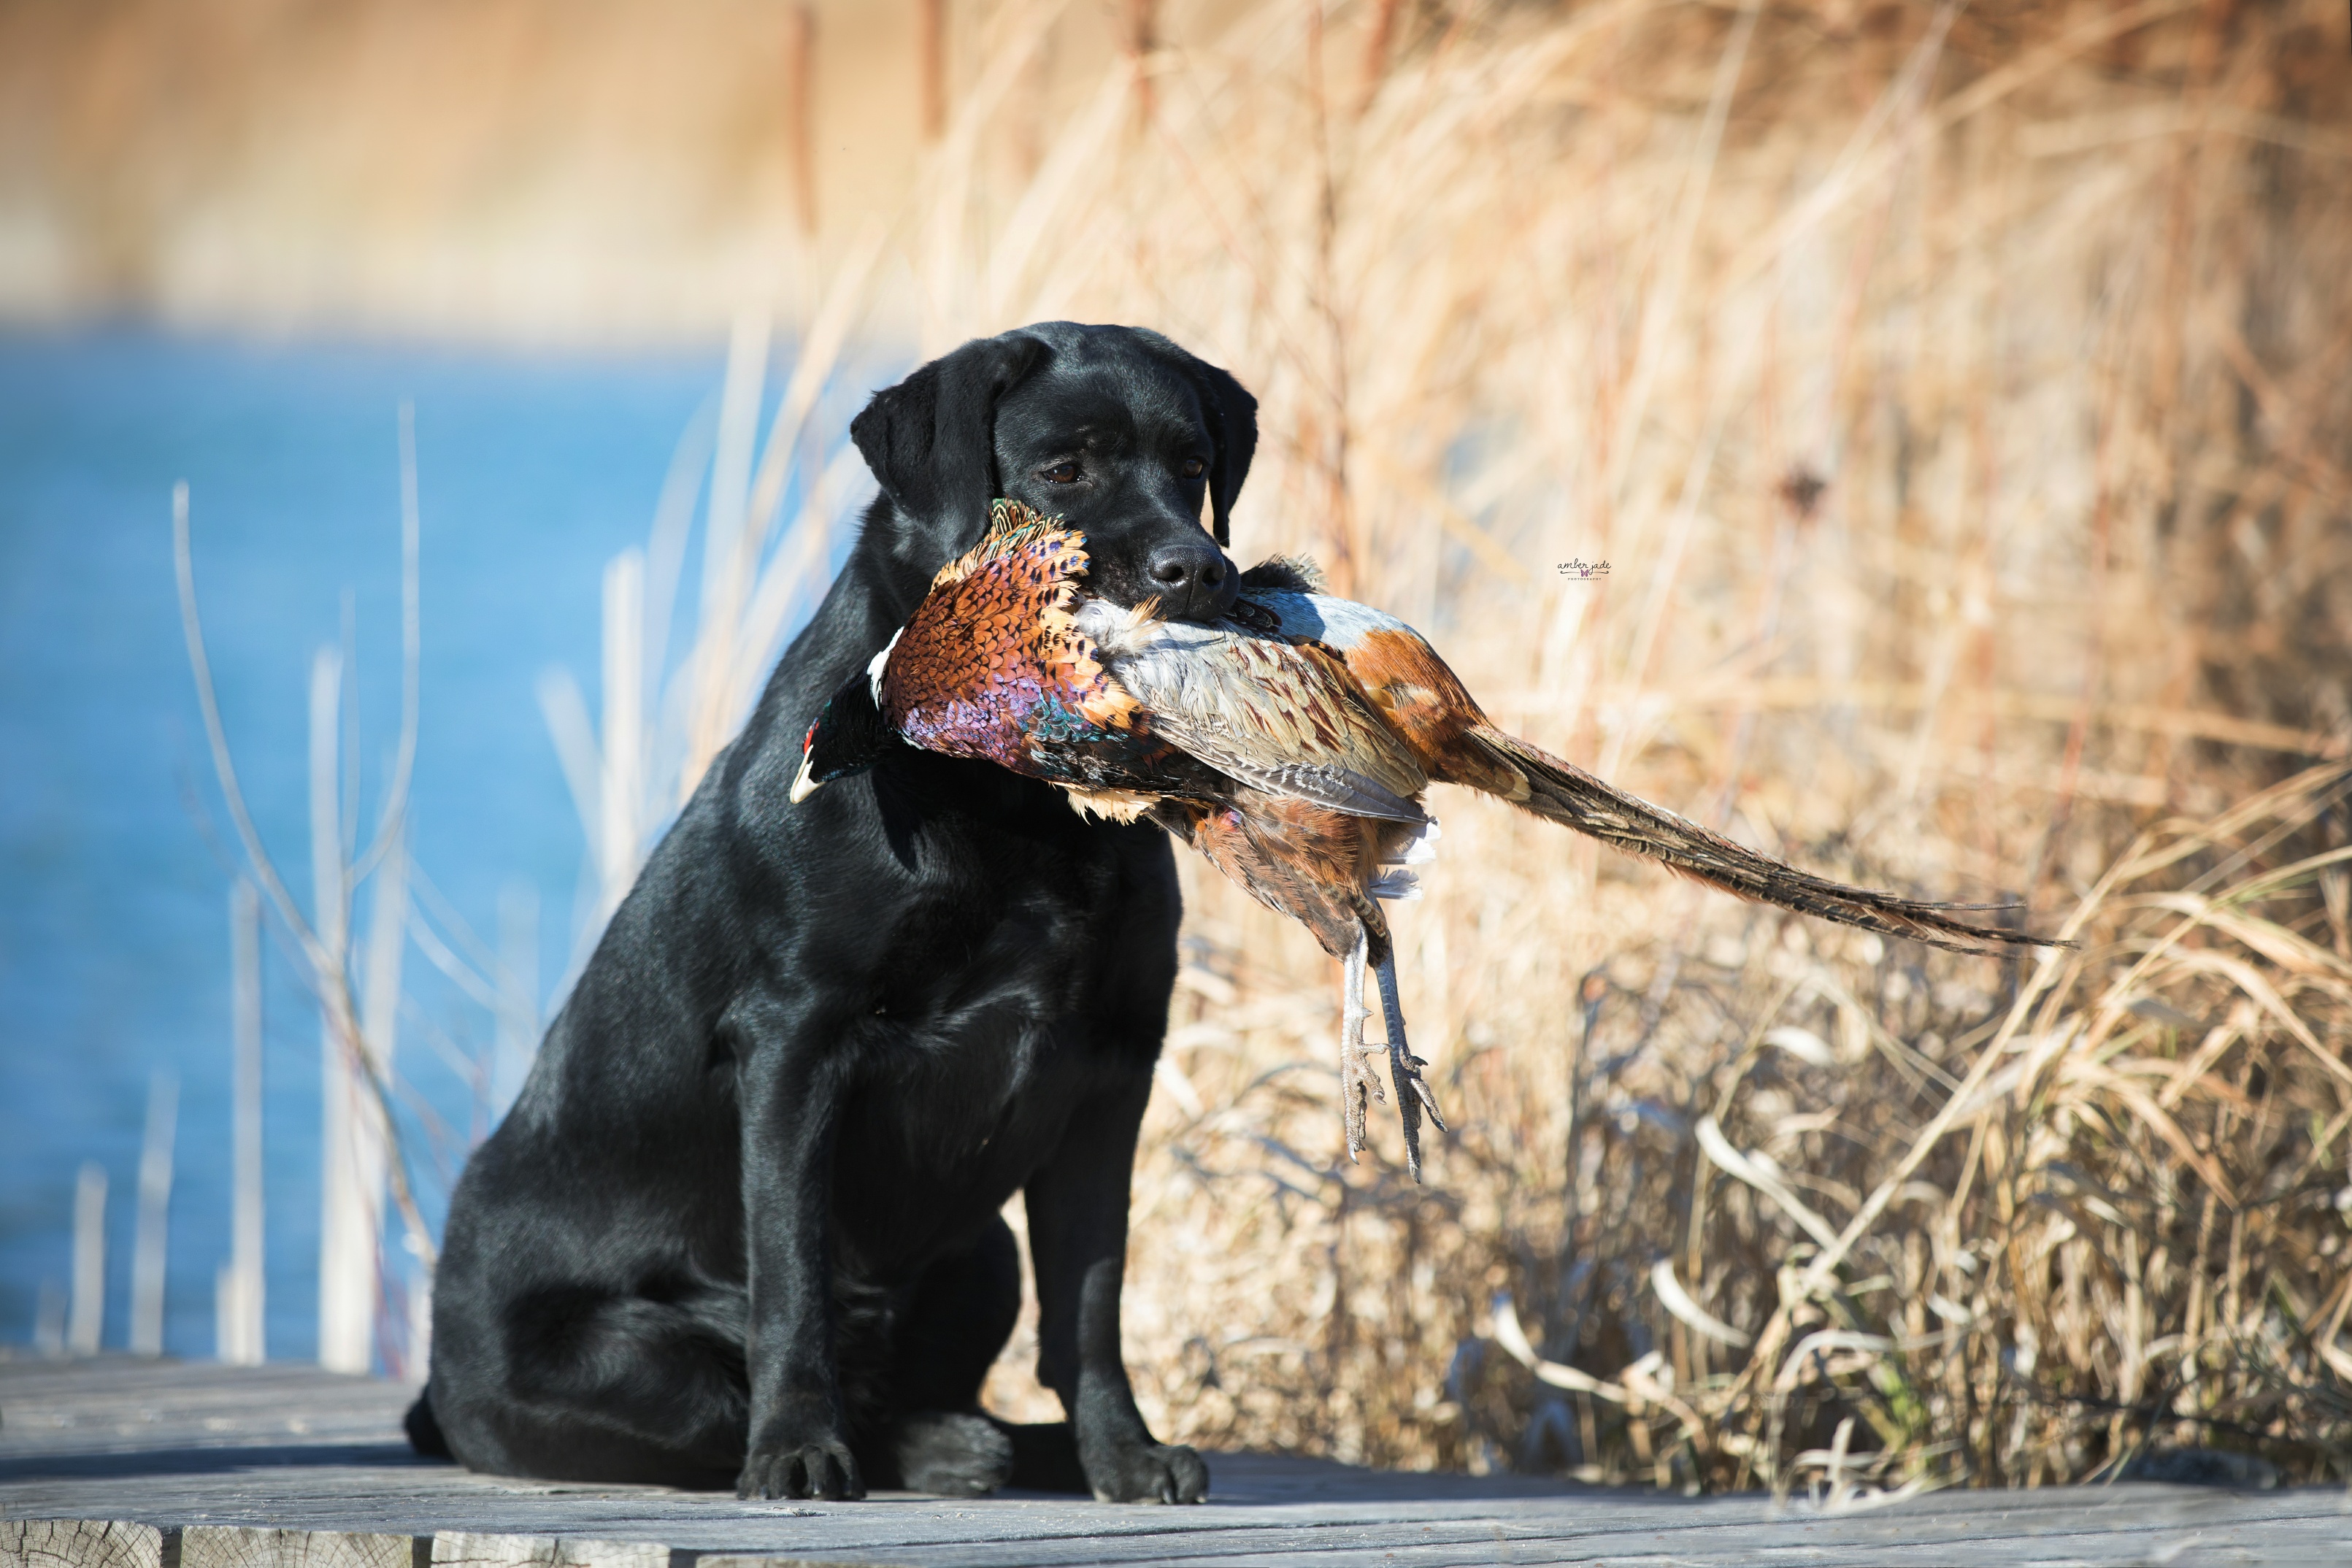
[{"x": 424, "y": 1431}]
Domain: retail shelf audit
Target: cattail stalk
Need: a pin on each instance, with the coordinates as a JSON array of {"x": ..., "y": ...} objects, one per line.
[
  {"x": 88, "y": 1314},
  {"x": 240, "y": 1290},
  {"x": 150, "y": 1245},
  {"x": 800, "y": 112}
]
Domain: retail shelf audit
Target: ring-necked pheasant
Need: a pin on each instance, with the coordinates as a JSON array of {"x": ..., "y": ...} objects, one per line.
[{"x": 1290, "y": 742}]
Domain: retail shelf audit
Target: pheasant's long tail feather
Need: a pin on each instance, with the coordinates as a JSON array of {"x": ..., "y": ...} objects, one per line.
[{"x": 1563, "y": 792}]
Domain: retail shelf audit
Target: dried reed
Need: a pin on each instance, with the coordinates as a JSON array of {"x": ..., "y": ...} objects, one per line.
[{"x": 1951, "y": 394}]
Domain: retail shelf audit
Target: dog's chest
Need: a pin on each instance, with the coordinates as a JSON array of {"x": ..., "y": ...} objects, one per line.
[
  {"x": 956, "y": 1111},
  {"x": 1019, "y": 910},
  {"x": 1034, "y": 978},
  {"x": 978, "y": 987}
]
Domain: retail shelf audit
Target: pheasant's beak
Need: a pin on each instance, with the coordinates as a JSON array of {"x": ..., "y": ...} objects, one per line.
[{"x": 804, "y": 784}]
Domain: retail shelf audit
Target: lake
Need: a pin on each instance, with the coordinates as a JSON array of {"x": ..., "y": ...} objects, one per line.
[{"x": 115, "y": 854}]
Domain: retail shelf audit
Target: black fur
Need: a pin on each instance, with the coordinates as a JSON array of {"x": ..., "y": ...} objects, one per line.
[{"x": 741, "y": 1225}]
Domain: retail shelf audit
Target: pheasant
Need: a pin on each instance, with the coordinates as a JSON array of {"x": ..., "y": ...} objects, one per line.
[
  {"x": 1263, "y": 755},
  {"x": 1289, "y": 743}
]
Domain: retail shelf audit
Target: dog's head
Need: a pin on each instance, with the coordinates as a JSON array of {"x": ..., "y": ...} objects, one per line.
[{"x": 1138, "y": 444}]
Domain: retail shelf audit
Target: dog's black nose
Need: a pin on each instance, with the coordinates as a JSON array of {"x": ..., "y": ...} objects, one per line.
[{"x": 1190, "y": 577}]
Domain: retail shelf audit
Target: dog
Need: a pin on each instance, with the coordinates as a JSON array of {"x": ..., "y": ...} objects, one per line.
[{"x": 743, "y": 1225}]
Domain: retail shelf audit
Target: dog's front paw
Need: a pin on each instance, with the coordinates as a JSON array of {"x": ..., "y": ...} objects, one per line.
[
  {"x": 1147, "y": 1472},
  {"x": 818, "y": 1470}
]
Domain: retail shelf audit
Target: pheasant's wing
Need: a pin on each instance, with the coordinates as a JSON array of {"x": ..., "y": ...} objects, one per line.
[
  {"x": 1282, "y": 717},
  {"x": 1422, "y": 700}
]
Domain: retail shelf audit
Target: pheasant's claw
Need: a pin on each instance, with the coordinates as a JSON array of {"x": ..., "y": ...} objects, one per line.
[
  {"x": 1404, "y": 1070},
  {"x": 1407, "y": 1111},
  {"x": 1353, "y": 1115},
  {"x": 1357, "y": 1083},
  {"x": 1427, "y": 1096}
]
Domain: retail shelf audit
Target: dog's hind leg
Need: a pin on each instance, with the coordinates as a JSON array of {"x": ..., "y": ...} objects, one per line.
[
  {"x": 593, "y": 1386},
  {"x": 955, "y": 1323},
  {"x": 425, "y": 1430}
]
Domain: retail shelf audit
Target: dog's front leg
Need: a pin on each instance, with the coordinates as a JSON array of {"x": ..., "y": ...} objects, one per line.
[
  {"x": 789, "y": 1095},
  {"x": 1077, "y": 1240}
]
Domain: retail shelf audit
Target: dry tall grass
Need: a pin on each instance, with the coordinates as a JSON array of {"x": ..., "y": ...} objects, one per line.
[{"x": 1958, "y": 398}]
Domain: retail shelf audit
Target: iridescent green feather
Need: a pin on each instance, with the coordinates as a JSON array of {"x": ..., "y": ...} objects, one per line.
[{"x": 1014, "y": 528}]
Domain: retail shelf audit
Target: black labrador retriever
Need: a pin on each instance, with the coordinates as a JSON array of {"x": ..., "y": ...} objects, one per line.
[{"x": 743, "y": 1225}]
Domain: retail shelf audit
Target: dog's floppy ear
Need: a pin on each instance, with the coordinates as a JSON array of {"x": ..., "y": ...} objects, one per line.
[
  {"x": 1231, "y": 414},
  {"x": 1232, "y": 423},
  {"x": 930, "y": 440}
]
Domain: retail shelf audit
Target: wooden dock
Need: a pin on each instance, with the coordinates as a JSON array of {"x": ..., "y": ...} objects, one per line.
[{"x": 142, "y": 1464}]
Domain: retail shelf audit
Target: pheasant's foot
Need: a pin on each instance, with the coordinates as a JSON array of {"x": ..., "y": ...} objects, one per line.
[
  {"x": 1357, "y": 1083},
  {"x": 1414, "y": 1093}
]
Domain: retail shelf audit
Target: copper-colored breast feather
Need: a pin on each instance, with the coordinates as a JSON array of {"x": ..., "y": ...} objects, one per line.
[{"x": 990, "y": 664}]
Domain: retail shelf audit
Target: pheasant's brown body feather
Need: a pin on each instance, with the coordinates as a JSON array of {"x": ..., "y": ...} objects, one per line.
[
  {"x": 1299, "y": 859},
  {"x": 1284, "y": 717}
]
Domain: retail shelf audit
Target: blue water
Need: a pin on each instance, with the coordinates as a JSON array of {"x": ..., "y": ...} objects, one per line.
[{"x": 114, "y": 856}]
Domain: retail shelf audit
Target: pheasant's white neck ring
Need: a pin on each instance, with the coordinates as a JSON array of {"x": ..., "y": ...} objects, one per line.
[{"x": 874, "y": 670}]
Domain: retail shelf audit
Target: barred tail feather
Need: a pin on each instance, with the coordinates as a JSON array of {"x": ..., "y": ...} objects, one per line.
[{"x": 1563, "y": 792}]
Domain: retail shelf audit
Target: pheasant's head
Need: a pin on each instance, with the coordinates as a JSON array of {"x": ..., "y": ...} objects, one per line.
[{"x": 849, "y": 736}]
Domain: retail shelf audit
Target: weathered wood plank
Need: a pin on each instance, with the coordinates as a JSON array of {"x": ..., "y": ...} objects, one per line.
[
  {"x": 206, "y": 1462},
  {"x": 122, "y": 1403},
  {"x": 251, "y": 1546},
  {"x": 466, "y": 1549},
  {"x": 81, "y": 1543}
]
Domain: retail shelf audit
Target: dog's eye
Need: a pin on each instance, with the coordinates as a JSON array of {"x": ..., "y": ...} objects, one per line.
[
  {"x": 1193, "y": 468},
  {"x": 1060, "y": 474}
]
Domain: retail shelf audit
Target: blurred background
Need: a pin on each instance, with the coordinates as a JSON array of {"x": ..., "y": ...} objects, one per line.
[{"x": 1910, "y": 439}]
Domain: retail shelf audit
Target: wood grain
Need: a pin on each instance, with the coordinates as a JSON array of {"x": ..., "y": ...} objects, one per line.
[
  {"x": 251, "y": 1546},
  {"x": 463, "y": 1549},
  {"x": 115, "y": 1464},
  {"x": 79, "y": 1543}
]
